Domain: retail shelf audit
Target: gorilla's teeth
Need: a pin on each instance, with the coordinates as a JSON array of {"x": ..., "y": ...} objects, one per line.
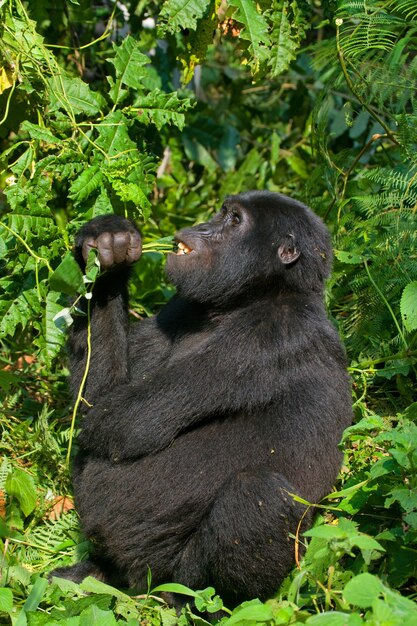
[{"x": 183, "y": 249}]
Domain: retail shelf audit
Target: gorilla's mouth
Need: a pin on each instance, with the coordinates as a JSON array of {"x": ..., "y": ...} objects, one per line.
[{"x": 182, "y": 248}]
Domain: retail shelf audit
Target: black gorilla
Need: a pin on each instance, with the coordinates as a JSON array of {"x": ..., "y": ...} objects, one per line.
[{"x": 200, "y": 421}]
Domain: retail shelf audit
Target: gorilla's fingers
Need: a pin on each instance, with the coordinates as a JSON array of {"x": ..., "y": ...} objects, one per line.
[
  {"x": 135, "y": 248},
  {"x": 105, "y": 250}
]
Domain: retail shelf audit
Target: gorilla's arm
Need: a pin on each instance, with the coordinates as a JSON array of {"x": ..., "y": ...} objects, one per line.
[
  {"x": 210, "y": 382},
  {"x": 118, "y": 245},
  {"x": 139, "y": 418}
]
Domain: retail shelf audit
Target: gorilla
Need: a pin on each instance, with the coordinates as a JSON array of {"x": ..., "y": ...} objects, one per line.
[{"x": 201, "y": 422}]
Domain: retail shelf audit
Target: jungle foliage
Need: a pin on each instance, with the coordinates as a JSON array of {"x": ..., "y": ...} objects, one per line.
[{"x": 157, "y": 110}]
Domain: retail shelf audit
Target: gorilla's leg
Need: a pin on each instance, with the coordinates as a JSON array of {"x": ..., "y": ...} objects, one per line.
[
  {"x": 243, "y": 546},
  {"x": 100, "y": 569}
]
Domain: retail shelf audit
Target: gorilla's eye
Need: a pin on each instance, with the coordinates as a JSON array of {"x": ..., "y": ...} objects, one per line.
[{"x": 235, "y": 218}]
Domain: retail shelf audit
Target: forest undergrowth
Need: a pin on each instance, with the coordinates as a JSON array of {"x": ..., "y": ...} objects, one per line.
[{"x": 157, "y": 110}]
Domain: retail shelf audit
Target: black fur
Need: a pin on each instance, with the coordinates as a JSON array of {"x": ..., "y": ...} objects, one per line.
[{"x": 207, "y": 416}]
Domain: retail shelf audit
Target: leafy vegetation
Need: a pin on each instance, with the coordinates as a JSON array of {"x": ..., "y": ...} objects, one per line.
[{"x": 98, "y": 115}]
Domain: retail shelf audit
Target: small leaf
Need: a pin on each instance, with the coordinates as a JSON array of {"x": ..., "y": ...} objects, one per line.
[
  {"x": 346, "y": 492},
  {"x": 6, "y": 600},
  {"x": 63, "y": 319},
  {"x": 3, "y": 248},
  {"x": 408, "y": 306},
  {"x": 326, "y": 531},
  {"x": 348, "y": 257},
  {"x": 7, "y": 79},
  {"x": 92, "y": 268},
  {"x": 175, "y": 588}
]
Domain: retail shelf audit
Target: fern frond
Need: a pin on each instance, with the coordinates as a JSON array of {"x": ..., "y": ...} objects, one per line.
[
  {"x": 407, "y": 7},
  {"x": 367, "y": 27}
]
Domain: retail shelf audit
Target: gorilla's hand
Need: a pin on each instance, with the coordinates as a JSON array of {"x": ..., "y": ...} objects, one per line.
[{"x": 116, "y": 239}]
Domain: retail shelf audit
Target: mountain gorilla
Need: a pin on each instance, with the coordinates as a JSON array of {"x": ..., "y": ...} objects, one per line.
[{"x": 200, "y": 422}]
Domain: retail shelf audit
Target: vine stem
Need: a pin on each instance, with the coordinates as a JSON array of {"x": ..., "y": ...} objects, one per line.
[
  {"x": 351, "y": 86},
  {"x": 82, "y": 384},
  {"x": 6, "y": 113},
  {"x": 349, "y": 171},
  {"x": 368, "y": 365},
  {"x": 387, "y": 304},
  {"x": 28, "y": 248}
]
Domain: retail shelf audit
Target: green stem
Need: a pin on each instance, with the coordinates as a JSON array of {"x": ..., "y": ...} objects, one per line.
[
  {"x": 351, "y": 86},
  {"x": 39, "y": 259},
  {"x": 387, "y": 304},
  {"x": 392, "y": 357},
  {"x": 82, "y": 385},
  {"x": 6, "y": 112}
]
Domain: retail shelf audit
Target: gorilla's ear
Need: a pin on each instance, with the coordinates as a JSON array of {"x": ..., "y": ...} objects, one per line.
[{"x": 287, "y": 252}]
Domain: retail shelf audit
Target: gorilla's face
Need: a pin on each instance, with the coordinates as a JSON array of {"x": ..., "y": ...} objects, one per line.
[{"x": 257, "y": 241}]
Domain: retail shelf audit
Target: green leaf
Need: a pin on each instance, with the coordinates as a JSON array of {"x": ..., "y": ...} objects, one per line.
[
  {"x": 175, "y": 588},
  {"x": 364, "y": 542},
  {"x": 408, "y": 306},
  {"x": 335, "y": 618},
  {"x": 255, "y": 30},
  {"x": 285, "y": 43},
  {"x": 362, "y": 590},
  {"x": 251, "y": 612},
  {"x": 22, "y": 310},
  {"x": 180, "y": 14},
  {"x": 161, "y": 108},
  {"x": 113, "y": 137},
  {"x": 348, "y": 257},
  {"x": 54, "y": 337},
  {"x": 86, "y": 184},
  {"x": 129, "y": 64},
  {"x": 68, "y": 277},
  {"x": 22, "y": 486},
  {"x": 92, "y": 585},
  {"x": 94, "y": 616},
  {"x": 102, "y": 204},
  {"x": 74, "y": 96},
  {"x": 36, "y": 594},
  {"x": 39, "y": 133},
  {"x": 326, "y": 531},
  {"x": 346, "y": 492},
  {"x": 6, "y": 600},
  {"x": 3, "y": 248}
]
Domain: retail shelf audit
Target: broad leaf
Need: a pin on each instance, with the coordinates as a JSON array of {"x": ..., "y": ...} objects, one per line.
[
  {"x": 22, "y": 486},
  {"x": 68, "y": 277},
  {"x": 74, "y": 96},
  {"x": 113, "y": 137},
  {"x": 255, "y": 30},
  {"x": 161, "y": 108},
  {"x": 86, "y": 183},
  {"x": 409, "y": 306},
  {"x": 129, "y": 64},
  {"x": 363, "y": 590},
  {"x": 180, "y": 14}
]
